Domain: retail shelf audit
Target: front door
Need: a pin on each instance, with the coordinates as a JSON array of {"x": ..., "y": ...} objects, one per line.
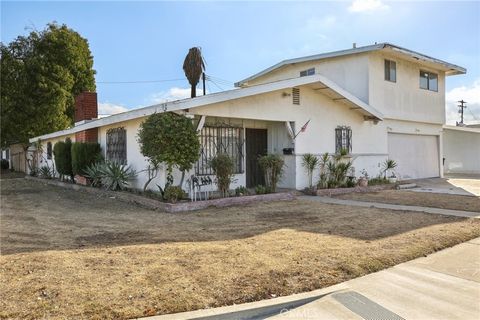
[{"x": 256, "y": 146}]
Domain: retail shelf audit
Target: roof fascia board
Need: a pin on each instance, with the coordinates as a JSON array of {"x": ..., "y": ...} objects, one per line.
[
  {"x": 211, "y": 99},
  {"x": 465, "y": 129}
]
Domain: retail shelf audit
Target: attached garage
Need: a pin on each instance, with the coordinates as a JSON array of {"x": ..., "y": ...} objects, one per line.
[{"x": 417, "y": 156}]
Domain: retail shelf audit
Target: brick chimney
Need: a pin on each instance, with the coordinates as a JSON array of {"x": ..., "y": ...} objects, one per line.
[{"x": 86, "y": 108}]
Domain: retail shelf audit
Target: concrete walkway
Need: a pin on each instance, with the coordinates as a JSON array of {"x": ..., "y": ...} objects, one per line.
[
  {"x": 444, "y": 285},
  {"x": 447, "y": 212}
]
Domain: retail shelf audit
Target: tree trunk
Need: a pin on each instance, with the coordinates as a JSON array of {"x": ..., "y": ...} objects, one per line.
[
  {"x": 194, "y": 91},
  {"x": 181, "y": 180}
]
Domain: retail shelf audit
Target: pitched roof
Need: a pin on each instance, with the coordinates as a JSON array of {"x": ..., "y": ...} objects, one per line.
[
  {"x": 450, "y": 69},
  {"x": 333, "y": 89}
]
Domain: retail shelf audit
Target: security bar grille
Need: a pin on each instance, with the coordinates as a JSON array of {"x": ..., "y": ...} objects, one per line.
[
  {"x": 117, "y": 145},
  {"x": 214, "y": 140},
  {"x": 343, "y": 139}
]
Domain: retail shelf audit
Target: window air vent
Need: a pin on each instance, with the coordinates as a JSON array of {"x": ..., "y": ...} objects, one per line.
[{"x": 296, "y": 96}]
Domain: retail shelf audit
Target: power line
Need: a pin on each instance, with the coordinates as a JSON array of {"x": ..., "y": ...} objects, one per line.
[
  {"x": 140, "y": 81},
  {"x": 473, "y": 115}
]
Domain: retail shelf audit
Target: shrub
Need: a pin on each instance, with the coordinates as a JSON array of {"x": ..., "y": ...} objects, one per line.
[
  {"x": 241, "y": 191},
  {"x": 224, "y": 168},
  {"x": 45, "y": 172},
  {"x": 62, "y": 152},
  {"x": 173, "y": 194},
  {"x": 310, "y": 162},
  {"x": 334, "y": 171},
  {"x": 4, "y": 164},
  {"x": 260, "y": 189},
  {"x": 272, "y": 166},
  {"x": 114, "y": 176},
  {"x": 84, "y": 154},
  {"x": 171, "y": 139},
  {"x": 378, "y": 180}
]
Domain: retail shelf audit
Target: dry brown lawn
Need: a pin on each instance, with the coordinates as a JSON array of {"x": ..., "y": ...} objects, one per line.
[
  {"x": 67, "y": 254},
  {"x": 413, "y": 198}
]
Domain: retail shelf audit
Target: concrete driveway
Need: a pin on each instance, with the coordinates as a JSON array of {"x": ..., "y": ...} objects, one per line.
[{"x": 461, "y": 184}]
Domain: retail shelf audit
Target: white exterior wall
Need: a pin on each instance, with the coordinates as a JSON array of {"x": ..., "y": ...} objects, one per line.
[
  {"x": 349, "y": 72},
  {"x": 403, "y": 99},
  {"x": 44, "y": 161},
  {"x": 461, "y": 150},
  {"x": 369, "y": 140}
]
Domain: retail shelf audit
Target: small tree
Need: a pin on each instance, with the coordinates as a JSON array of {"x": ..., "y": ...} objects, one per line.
[
  {"x": 272, "y": 166},
  {"x": 171, "y": 139},
  {"x": 310, "y": 162},
  {"x": 224, "y": 168}
]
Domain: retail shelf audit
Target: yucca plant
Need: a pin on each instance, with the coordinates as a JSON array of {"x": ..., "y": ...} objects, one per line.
[
  {"x": 45, "y": 172},
  {"x": 272, "y": 166},
  {"x": 310, "y": 162},
  {"x": 115, "y": 176},
  {"x": 388, "y": 165}
]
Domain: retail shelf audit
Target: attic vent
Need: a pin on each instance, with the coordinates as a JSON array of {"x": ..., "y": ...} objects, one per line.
[{"x": 296, "y": 96}]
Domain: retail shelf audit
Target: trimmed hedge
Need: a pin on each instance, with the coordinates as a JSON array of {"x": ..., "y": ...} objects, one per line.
[
  {"x": 84, "y": 154},
  {"x": 63, "y": 157}
]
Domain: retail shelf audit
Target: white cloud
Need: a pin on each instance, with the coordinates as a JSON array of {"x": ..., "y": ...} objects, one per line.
[
  {"x": 470, "y": 94},
  {"x": 172, "y": 94},
  {"x": 107, "y": 108},
  {"x": 367, "y": 6}
]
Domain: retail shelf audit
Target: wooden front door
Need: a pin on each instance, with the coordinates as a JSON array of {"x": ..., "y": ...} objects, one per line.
[{"x": 256, "y": 146}]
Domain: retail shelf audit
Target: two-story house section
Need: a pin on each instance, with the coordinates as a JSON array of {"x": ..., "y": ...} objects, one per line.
[
  {"x": 407, "y": 87},
  {"x": 377, "y": 102}
]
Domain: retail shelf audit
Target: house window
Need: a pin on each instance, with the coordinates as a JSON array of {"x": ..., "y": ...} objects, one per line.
[
  {"x": 117, "y": 145},
  {"x": 308, "y": 72},
  {"x": 343, "y": 139},
  {"x": 213, "y": 140},
  {"x": 49, "y": 150},
  {"x": 428, "y": 80},
  {"x": 390, "y": 70}
]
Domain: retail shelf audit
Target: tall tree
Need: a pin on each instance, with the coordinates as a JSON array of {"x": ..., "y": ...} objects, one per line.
[
  {"x": 193, "y": 66},
  {"x": 40, "y": 76}
]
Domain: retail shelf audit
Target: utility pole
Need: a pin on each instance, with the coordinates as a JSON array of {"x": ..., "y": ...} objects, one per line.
[
  {"x": 203, "y": 80},
  {"x": 461, "y": 106}
]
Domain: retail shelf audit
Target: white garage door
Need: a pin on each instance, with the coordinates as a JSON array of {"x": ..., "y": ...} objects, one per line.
[{"x": 416, "y": 155}]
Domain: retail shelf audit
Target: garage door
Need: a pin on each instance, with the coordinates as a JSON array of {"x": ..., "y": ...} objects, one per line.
[{"x": 416, "y": 155}]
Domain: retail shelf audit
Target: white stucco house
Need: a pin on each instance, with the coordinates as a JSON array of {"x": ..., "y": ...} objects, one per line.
[{"x": 379, "y": 101}]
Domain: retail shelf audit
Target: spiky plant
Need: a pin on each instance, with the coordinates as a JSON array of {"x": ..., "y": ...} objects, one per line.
[
  {"x": 193, "y": 66},
  {"x": 310, "y": 162},
  {"x": 388, "y": 165}
]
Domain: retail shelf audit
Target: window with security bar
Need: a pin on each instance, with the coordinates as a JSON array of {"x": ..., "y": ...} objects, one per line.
[
  {"x": 117, "y": 145},
  {"x": 343, "y": 139},
  {"x": 214, "y": 140}
]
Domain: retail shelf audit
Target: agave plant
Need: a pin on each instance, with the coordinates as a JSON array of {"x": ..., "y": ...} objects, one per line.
[
  {"x": 115, "y": 176},
  {"x": 310, "y": 162},
  {"x": 94, "y": 173}
]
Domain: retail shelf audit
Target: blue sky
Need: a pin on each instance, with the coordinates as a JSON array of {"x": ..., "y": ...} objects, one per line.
[{"x": 138, "y": 41}]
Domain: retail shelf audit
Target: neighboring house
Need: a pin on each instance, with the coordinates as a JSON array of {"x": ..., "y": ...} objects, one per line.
[
  {"x": 380, "y": 101},
  {"x": 461, "y": 149}
]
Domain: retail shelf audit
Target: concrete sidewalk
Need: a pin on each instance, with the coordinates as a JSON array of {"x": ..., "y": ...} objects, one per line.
[
  {"x": 447, "y": 212},
  {"x": 444, "y": 285}
]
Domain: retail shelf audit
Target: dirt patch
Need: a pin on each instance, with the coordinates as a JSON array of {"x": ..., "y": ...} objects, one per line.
[
  {"x": 425, "y": 199},
  {"x": 67, "y": 254}
]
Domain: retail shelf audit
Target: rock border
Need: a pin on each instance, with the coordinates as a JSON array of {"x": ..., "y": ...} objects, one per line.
[
  {"x": 338, "y": 191},
  {"x": 171, "y": 207}
]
